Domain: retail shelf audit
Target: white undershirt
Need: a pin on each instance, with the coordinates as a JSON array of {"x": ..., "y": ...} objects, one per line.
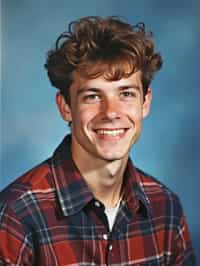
[{"x": 111, "y": 214}]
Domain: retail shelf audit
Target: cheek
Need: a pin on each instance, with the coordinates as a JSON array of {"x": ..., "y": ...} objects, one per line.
[
  {"x": 134, "y": 113},
  {"x": 82, "y": 117}
]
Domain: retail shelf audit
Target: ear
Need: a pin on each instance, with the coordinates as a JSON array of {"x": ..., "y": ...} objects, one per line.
[
  {"x": 147, "y": 103},
  {"x": 63, "y": 107}
]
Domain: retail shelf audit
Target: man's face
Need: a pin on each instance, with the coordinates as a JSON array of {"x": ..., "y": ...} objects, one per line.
[{"x": 106, "y": 115}]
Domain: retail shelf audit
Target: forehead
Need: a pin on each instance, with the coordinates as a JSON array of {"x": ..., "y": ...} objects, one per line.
[{"x": 101, "y": 83}]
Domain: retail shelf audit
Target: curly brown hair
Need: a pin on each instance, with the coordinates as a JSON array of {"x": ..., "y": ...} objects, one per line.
[{"x": 95, "y": 46}]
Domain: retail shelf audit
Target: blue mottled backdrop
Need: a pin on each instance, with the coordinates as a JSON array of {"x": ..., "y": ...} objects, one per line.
[{"x": 31, "y": 125}]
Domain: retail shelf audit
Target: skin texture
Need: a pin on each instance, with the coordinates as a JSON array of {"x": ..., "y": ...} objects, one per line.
[{"x": 106, "y": 121}]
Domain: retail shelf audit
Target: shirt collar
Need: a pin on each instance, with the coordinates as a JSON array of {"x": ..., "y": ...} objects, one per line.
[
  {"x": 72, "y": 191},
  {"x": 134, "y": 193}
]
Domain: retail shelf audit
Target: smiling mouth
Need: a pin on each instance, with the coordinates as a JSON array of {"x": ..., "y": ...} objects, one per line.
[{"x": 111, "y": 133}]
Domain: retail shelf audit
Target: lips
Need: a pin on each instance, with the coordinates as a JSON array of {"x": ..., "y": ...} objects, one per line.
[
  {"x": 110, "y": 132},
  {"x": 116, "y": 133}
]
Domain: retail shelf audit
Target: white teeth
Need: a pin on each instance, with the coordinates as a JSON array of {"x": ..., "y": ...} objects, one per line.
[{"x": 114, "y": 133}]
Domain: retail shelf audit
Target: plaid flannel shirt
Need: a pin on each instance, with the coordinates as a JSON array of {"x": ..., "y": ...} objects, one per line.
[{"x": 50, "y": 217}]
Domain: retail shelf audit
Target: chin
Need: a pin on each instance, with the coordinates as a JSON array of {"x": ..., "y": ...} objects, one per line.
[{"x": 114, "y": 156}]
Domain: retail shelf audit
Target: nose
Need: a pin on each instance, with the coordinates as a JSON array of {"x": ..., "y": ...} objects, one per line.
[{"x": 111, "y": 109}]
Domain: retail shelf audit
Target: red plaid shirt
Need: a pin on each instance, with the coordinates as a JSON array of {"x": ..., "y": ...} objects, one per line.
[{"x": 50, "y": 217}]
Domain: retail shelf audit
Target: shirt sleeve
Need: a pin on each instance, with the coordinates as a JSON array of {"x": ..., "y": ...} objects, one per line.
[
  {"x": 183, "y": 253},
  {"x": 15, "y": 247}
]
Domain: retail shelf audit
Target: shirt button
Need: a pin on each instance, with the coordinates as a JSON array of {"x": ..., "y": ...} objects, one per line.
[
  {"x": 105, "y": 236},
  {"x": 110, "y": 247},
  {"x": 123, "y": 202},
  {"x": 97, "y": 204}
]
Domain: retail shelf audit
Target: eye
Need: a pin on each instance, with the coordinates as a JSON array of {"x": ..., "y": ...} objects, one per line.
[
  {"x": 128, "y": 94},
  {"x": 90, "y": 98}
]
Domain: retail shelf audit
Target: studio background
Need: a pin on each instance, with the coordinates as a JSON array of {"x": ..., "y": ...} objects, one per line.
[{"x": 31, "y": 126}]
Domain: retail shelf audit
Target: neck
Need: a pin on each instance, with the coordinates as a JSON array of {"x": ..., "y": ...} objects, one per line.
[{"x": 104, "y": 178}]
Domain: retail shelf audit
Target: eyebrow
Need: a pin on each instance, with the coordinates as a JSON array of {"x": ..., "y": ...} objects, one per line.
[
  {"x": 85, "y": 89},
  {"x": 121, "y": 88},
  {"x": 131, "y": 86}
]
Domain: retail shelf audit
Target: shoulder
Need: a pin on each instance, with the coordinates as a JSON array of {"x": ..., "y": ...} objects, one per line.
[
  {"x": 20, "y": 204},
  {"x": 36, "y": 179},
  {"x": 167, "y": 218},
  {"x": 162, "y": 200}
]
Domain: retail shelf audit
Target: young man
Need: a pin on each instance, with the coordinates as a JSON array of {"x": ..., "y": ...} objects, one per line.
[{"x": 88, "y": 204}]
